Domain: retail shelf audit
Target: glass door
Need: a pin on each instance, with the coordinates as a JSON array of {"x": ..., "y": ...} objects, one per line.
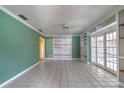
[
  {"x": 111, "y": 54},
  {"x": 105, "y": 48},
  {"x": 100, "y": 50},
  {"x": 104, "y": 51}
]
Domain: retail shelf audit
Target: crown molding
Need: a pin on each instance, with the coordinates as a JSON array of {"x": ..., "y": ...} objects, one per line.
[{"x": 19, "y": 19}]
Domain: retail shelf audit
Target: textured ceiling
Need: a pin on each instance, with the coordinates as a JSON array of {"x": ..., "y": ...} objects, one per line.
[{"x": 50, "y": 18}]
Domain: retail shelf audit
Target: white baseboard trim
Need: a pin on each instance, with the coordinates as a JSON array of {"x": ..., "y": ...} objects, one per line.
[
  {"x": 18, "y": 75},
  {"x": 76, "y": 59},
  {"x": 49, "y": 59},
  {"x": 56, "y": 59},
  {"x": 62, "y": 59}
]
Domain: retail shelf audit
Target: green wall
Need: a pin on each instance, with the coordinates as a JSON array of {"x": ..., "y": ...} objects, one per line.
[
  {"x": 88, "y": 48},
  {"x": 48, "y": 47},
  {"x": 19, "y": 47},
  {"x": 75, "y": 46}
]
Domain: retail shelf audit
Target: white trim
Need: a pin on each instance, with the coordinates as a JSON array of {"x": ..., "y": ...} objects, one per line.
[
  {"x": 49, "y": 59},
  {"x": 76, "y": 59},
  {"x": 62, "y": 59},
  {"x": 71, "y": 46},
  {"x": 19, "y": 19},
  {"x": 110, "y": 25},
  {"x": 56, "y": 59},
  {"x": 80, "y": 47},
  {"x": 53, "y": 46},
  {"x": 18, "y": 75},
  {"x": 106, "y": 17},
  {"x": 117, "y": 31},
  {"x": 75, "y": 35},
  {"x": 103, "y": 29}
]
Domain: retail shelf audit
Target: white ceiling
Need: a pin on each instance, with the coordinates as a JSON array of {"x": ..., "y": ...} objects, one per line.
[{"x": 50, "y": 18}]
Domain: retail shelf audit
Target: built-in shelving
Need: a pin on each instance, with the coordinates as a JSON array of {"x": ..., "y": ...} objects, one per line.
[{"x": 62, "y": 48}]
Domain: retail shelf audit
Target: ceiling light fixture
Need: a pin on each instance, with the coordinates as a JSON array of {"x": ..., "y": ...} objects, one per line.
[{"x": 65, "y": 27}]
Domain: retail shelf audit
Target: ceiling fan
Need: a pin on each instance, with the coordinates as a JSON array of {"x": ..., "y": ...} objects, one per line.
[{"x": 66, "y": 27}]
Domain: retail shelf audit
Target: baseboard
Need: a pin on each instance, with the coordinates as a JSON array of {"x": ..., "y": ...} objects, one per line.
[
  {"x": 56, "y": 59},
  {"x": 62, "y": 59},
  {"x": 49, "y": 59},
  {"x": 16, "y": 76},
  {"x": 76, "y": 59}
]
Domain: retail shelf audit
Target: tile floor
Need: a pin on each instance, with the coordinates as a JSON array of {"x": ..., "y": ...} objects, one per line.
[{"x": 65, "y": 74}]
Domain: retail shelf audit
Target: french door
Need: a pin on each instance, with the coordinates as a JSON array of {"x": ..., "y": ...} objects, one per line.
[
  {"x": 104, "y": 51},
  {"x": 111, "y": 52},
  {"x": 100, "y": 50}
]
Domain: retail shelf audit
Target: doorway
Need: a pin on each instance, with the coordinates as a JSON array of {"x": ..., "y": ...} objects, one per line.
[{"x": 42, "y": 52}]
